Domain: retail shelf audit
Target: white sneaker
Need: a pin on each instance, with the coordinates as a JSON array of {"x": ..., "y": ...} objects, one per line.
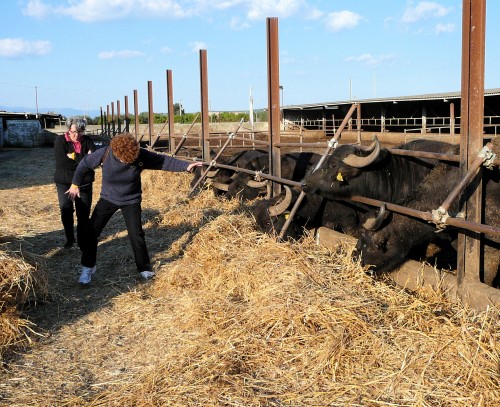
[
  {"x": 147, "y": 275},
  {"x": 86, "y": 275}
]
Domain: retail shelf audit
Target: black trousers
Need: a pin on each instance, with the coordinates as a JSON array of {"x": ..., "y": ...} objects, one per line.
[
  {"x": 67, "y": 207},
  {"x": 101, "y": 215}
]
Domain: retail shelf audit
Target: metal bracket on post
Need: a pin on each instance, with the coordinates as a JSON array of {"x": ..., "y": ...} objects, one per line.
[
  {"x": 439, "y": 217},
  {"x": 488, "y": 156}
]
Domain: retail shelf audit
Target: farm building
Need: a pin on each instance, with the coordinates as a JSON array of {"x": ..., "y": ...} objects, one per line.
[
  {"x": 27, "y": 129},
  {"x": 436, "y": 113}
]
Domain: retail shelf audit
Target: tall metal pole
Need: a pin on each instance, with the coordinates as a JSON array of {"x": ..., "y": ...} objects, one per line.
[
  {"x": 136, "y": 115},
  {"x": 205, "y": 119},
  {"x": 36, "y": 101},
  {"x": 471, "y": 137},
  {"x": 170, "y": 109},
  {"x": 151, "y": 112},
  {"x": 273, "y": 89}
]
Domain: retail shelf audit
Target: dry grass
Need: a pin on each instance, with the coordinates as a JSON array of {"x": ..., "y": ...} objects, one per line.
[{"x": 236, "y": 319}]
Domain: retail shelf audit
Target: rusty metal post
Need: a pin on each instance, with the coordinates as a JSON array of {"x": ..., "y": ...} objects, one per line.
[
  {"x": 127, "y": 115},
  {"x": 113, "y": 118},
  {"x": 151, "y": 114},
  {"x": 107, "y": 121},
  {"x": 471, "y": 136},
  {"x": 102, "y": 122},
  {"x": 358, "y": 122},
  {"x": 452, "y": 122},
  {"x": 170, "y": 109},
  {"x": 118, "y": 116},
  {"x": 273, "y": 91},
  {"x": 205, "y": 116},
  {"x": 136, "y": 115}
]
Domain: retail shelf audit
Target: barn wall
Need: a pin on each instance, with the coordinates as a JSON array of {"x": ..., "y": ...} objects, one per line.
[
  {"x": 24, "y": 133},
  {"x": 1, "y": 133}
]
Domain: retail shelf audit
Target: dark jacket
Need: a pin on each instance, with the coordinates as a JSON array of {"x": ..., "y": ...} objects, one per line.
[
  {"x": 65, "y": 166},
  {"x": 121, "y": 182}
]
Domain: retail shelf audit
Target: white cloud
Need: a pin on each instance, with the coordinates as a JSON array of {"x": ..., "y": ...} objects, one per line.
[
  {"x": 260, "y": 9},
  {"x": 102, "y": 10},
  {"x": 99, "y": 10},
  {"x": 423, "y": 10},
  {"x": 314, "y": 14},
  {"x": 445, "y": 28},
  {"x": 166, "y": 50},
  {"x": 124, "y": 54},
  {"x": 238, "y": 25},
  {"x": 16, "y": 47},
  {"x": 197, "y": 45},
  {"x": 341, "y": 20},
  {"x": 371, "y": 60},
  {"x": 36, "y": 9}
]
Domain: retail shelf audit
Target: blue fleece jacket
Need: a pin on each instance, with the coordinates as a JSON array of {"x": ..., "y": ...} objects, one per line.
[{"x": 121, "y": 183}]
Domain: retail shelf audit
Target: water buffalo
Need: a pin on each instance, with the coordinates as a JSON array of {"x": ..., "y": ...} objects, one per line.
[
  {"x": 387, "y": 242},
  {"x": 314, "y": 211},
  {"x": 294, "y": 166},
  {"x": 220, "y": 178},
  {"x": 373, "y": 171}
]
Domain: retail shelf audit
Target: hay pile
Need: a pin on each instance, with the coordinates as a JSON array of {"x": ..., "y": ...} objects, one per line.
[
  {"x": 234, "y": 318},
  {"x": 22, "y": 280}
]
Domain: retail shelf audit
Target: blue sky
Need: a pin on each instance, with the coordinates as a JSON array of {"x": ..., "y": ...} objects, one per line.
[{"x": 84, "y": 54}]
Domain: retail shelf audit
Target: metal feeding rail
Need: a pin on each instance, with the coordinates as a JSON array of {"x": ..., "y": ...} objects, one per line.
[
  {"x": 184, "y": 136},
  {"x": 213, "y": 162},
  {"x": 332, "y": 144}
]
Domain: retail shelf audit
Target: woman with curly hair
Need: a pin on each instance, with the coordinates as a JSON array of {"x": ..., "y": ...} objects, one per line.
[
  {"x": 69, "y": 149},
  {"x": 122, "y": 163}
]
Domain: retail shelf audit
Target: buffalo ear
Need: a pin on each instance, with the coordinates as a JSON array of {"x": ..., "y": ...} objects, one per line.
[{"x": 381, "y": 239}]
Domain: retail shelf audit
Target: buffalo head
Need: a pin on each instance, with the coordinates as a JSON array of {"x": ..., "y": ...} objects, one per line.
[{"x": 347, "y": 162}]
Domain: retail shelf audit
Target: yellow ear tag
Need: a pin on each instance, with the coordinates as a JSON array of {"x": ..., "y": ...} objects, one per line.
[
  {"x": 287, "y": 216},
  {"x": 339, "y": 177}
]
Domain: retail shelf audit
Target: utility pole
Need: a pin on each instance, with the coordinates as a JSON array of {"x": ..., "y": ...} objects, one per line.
[{"x": 36, "y": 101}]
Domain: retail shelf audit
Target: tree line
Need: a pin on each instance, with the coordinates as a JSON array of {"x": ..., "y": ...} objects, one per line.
[{"x": 186, "y": 118}]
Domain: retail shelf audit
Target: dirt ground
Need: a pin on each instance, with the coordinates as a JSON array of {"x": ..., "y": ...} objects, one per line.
[{"x": 233, "y": 318}]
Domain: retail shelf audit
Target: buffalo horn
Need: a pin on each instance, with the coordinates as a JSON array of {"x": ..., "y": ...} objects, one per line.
[
  {"x": 257, "y": 184},
  {"x": 359, "y": 162},
  {"x": 269, "y": 191},
  {"x": 376, "y": 222},
  {"x": 221, "y": 186},
  {"x": 281, "y": 207},
  {"x": 211, "y": 174}
]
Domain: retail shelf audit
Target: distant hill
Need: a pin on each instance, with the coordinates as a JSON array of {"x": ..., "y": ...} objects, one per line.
[{"x": 67, "y": 112}]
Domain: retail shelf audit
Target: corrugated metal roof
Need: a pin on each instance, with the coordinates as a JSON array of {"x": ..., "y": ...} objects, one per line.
[{"x": 430, "y": 96}]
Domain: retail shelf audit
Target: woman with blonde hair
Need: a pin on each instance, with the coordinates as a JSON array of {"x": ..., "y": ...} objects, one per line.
[{"x": 122, "y": 163}]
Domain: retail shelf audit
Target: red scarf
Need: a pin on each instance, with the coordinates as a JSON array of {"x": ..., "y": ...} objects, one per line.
[{"x": 77, "y": 145}]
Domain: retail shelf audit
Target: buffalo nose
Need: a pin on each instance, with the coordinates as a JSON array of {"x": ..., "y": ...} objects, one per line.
[{"x": 303, "y": 184}]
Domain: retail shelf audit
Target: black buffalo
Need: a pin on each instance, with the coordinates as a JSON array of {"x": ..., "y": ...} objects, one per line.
[
  {"x": 294, "y": 166},
  {"x": 314, "y": 211},
  {"x": 220, "y": 178},
  {"x": 388, "y": 241},
  {"x": 373, "y": 171}
]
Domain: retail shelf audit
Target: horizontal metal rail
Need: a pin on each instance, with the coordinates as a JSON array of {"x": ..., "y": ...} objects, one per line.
[{"x": 464, "y": 224}]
